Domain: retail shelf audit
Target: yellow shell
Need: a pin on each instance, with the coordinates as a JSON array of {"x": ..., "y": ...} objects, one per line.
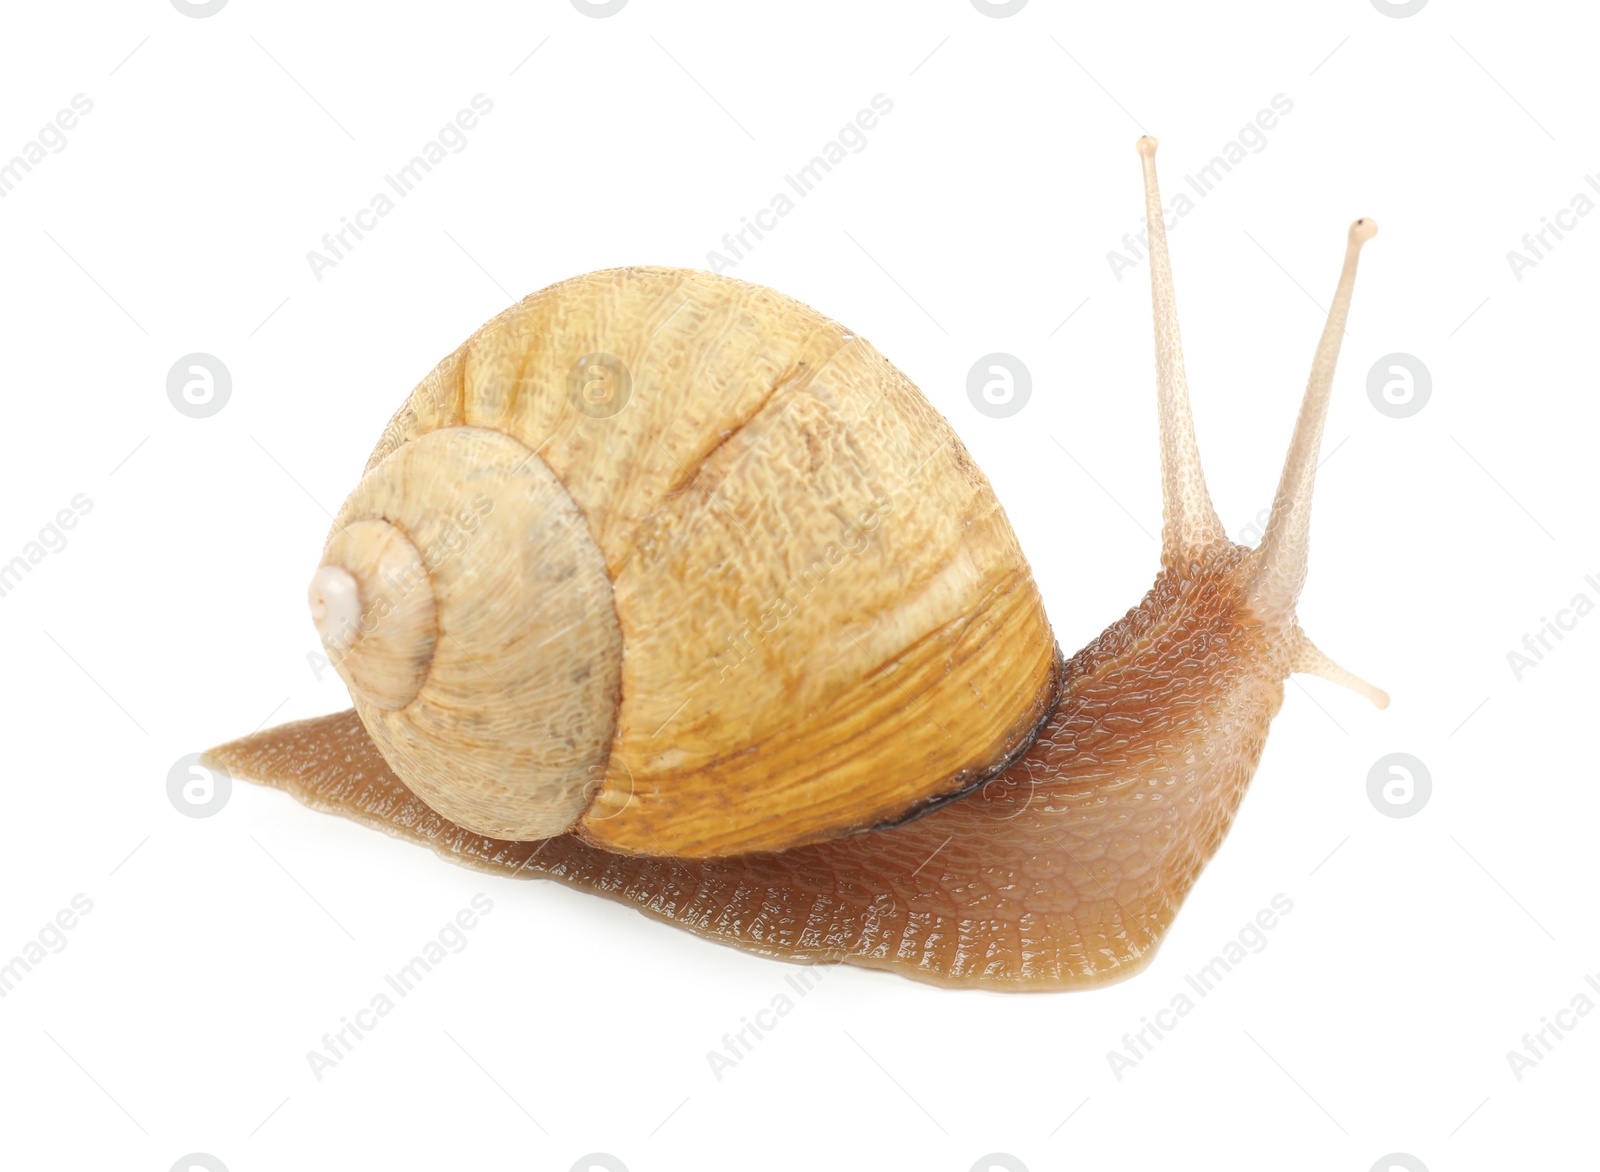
[{"x": 677, "y": 562}]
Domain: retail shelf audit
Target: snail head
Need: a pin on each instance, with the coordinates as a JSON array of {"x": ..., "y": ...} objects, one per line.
[{"x": 1265, "y": 582}]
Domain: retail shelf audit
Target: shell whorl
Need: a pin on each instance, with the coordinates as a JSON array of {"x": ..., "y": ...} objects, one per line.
[
  {"x": 373, "y": 606},
  {"x": 487, "y": 661}
]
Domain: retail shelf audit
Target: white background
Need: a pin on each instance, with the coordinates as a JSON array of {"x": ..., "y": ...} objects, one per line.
[{"x": 177, "y": 218}]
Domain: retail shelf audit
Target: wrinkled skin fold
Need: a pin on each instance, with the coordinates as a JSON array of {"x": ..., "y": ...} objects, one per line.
[{"x": 1063, "y": 872}]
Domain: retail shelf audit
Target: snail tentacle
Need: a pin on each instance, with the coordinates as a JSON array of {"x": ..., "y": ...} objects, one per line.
[
  {"x": 1190, "y": 525},
  {"x": 1310, "y": 659},
  {"x": 1282, "y": 555}
]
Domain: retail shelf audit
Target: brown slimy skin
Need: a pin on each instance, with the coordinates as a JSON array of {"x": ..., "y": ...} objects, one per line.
[{"x": 1064, "y": 872}]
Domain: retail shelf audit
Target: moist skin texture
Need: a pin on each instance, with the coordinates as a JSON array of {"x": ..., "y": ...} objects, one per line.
[{"x": 1063, "y": 872}]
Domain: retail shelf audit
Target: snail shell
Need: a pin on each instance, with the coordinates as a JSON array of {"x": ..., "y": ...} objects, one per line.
[{"x": 678, "y": 563}]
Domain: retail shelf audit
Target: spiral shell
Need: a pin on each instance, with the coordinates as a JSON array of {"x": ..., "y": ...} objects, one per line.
[{"x": 693, "y": 571}]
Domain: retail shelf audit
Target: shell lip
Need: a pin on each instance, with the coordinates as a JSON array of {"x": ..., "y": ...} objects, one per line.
[{"x": 1054, "y": 694}]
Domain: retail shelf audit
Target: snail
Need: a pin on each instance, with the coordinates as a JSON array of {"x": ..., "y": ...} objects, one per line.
[{"x": 670, "y": 588}]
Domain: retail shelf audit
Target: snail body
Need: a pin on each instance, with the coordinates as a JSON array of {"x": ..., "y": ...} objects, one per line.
[{"x": 541, "y": 595}]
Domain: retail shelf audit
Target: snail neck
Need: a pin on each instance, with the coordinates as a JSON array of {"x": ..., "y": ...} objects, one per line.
[
  {"x": 1194, "y": 633},
  {"x": 1173, "y": 699}
]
